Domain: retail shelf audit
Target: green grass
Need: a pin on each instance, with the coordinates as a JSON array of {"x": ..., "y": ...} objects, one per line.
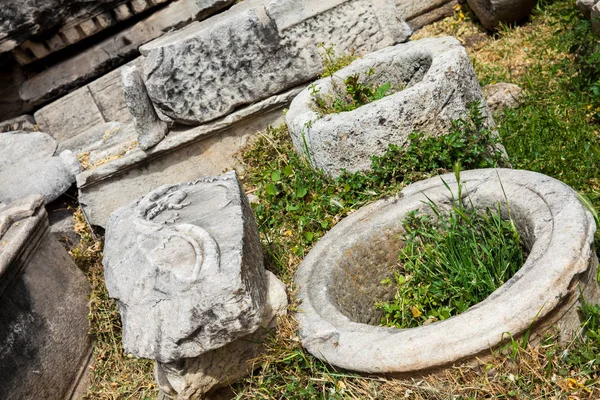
[
  {"x": 298, "y": 204},
  {"x": 452, "y": 259}
]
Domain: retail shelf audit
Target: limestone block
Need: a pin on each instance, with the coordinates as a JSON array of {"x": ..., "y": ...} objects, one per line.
[
  {"x": 441, "y": 10},
  {"x": 257, "y": 49},
  {"x": 69, "y": 116},
  {"x": 185, "y": 154},
  {"x": 434, "y": 84},
  {"x": 185, "y": 266},
  {"x": 113, "y": 51},
  {"x": 28, "y": 167},
  {"x": 493, "y": 12},
  {"x": 20, "y": 123},
  {"x": 502, "y": 95},
  {"x": 92, "y": 139},
  {"x": 195, "y": 378},
  {"x": 561, "y": 268},
  {"x": 24, "y": 147},
  {"x": 44, "y": 342},
  {"x": 150, "y": 129}
]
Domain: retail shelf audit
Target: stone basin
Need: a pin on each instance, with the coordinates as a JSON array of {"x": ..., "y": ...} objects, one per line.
[
  {"x": 339, "y": 280},
  {"x": 433, "y": 83}
]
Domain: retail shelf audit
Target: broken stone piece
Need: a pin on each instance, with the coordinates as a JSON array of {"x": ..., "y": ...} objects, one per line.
[
  {"x": 195, "y": 378},
  {"x": 150, "y": 129},
  {"x": 44, "y": 342},
  {"x": 28, "y": 166},
  {"x": 185, "y": 265},
  {"x": 21, "y": 123},
  {"x": 502, "y": 95}
]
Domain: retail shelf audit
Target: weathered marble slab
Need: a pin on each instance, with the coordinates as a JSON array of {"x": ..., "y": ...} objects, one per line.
[
  {"x": 44, "y": 342},
  {"x": 258, "y": 49},
  {"x": 28, "y": 165}
]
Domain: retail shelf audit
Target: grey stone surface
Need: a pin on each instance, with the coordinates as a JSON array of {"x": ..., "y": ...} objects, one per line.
[
  {"x": 185, "y": 266},
  {"x": 185, "y": 154},
  {"x": 44, "y": 342},
  {"x": 92, "y": 139},
  {"x": 104, "y": 56},
  {"x": 27, "y": 166},
  {"x": 585, "y": 6},
  {"x": 196, "y": 378},
  {"x": 257, "y": 49},
  {"x": 70, "y": 116},
  {"x": 439, "y": 10},
  {"x": 20, "y": 123},
  {"x": 434, "y": 82},
  {"x": 502, "y": 95},
  {"x": 493, "y": 12},
  {"x": 561, "y": 267},
  {"x": 594, "y": 15},
  {"x": 150, "y": 129},
  {"x": 23, "y": 147}
]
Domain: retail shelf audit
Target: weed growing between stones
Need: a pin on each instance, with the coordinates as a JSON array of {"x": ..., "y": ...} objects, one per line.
[
  {"x": 452, "y": 259},
  {"x": 332, "y": 62}
]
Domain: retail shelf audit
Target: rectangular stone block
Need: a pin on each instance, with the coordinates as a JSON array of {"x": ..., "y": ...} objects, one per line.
[{"x": 73, "y": 114}]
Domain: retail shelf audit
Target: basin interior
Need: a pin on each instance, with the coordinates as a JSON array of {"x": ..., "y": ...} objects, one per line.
[
  {"x": 355, "y": 285},
  {"x": 401, "y": 72}
]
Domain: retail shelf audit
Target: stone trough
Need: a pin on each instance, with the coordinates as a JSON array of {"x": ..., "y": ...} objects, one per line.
[
  {"x": 339, "y": 281},
  {"x": 433, "y": 83}
]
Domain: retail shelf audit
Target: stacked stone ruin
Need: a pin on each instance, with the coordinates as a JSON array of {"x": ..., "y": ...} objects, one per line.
[{"x": 126, "y": 100}]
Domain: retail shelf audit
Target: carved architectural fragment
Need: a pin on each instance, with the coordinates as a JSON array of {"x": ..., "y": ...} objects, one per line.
[
  {"x": 257, "y": 49},
  {"x": 185, "y": 265},
  {"x": 44, "y": 342}
]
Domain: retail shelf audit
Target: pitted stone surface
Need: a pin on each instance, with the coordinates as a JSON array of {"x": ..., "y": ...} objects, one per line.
[
  {"x": 560, "y": 269},
  {"x": 185, "y": 265},
  {"x": 28, "y": 166},
  {"x": 258, "y": 49},
  {"x": 435, "y": 82},
  {"x": 493, "y": 12}
]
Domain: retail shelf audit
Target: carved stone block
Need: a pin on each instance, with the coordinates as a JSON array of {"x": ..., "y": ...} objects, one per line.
[
  {"x": 185, "y": 265},
  {"x": 257, "y": 49},
  {"x": 150, "y": 130}
]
